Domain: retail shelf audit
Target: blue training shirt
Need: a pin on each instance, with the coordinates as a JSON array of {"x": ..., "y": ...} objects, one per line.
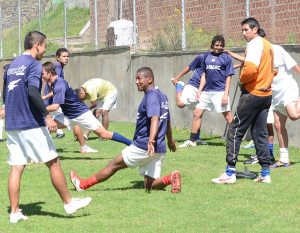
[
  {"x": 20, "y": 113},
  {"x": 154, "y": 103},
  {"x": 197, "y": 65},
  {"x": 217, "y": 68},
  {"x": 66, "y": 97}
]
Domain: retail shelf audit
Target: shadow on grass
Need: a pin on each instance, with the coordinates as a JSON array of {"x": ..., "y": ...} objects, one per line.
[
  {"x": 135, "y": 185},
  {"x": 82, "y": 158},
  {"x": 36, "y": 209}
]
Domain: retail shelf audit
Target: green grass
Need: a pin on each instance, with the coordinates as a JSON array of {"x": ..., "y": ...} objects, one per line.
[
  {"x": 121, "y": 204},
  {"x": 52, "y": 26}
]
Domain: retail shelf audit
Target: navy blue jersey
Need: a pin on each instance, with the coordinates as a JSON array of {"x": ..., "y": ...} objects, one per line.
[
  {"x": 154, "y": 103},
  {"x": 60, "y": 73},
  {"x": 197, "y": 65},
  {"x": 66, "y": 97},
  {"x": 20, "y": 113},
  {"x": 59, "y": 70},
  {"x": 217, "y": 68}
]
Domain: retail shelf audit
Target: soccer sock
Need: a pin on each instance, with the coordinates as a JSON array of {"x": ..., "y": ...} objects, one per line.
[
  {"x": 1, "y": 128},
  {"x": 271, "y": 149},
  {"x": 119, "y": 138},
  {"x": 89, "y": 182},
  {"x": 166, "y": 179},
  {"x": 193, "y": 137},
  {"x": 265, "y": 172},
  {"x": 179, "y": 87},
  {"x": 284, "y": 155},
  {"x": 198, "y": 135},
  {"x": 229, "y": 171}
]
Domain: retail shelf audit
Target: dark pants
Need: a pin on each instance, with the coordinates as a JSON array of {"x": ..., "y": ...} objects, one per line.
[{"x": 251, "y": 110}]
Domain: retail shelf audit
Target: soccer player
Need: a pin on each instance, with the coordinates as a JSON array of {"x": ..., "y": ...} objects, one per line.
[
  {"x": 103, "y": 97},
  {"x": 253, "y": 106},
  {"x": 27, "y": 120},
  {"x": 213, "y": 92},
  {"x": 75, "y": 111},
  {"x": 62, "y": 59},
  {"x": 148, "y": 148}
]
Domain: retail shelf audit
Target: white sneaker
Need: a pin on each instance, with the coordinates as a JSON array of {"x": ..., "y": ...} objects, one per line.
[
  {"x": 85, "y": 137},
  {"x": 224, "y": 179},
  {"x": 263, "y": 179},
  {"x": 249, "y": 145},
  {"x": 76, "y": 204},
  {"x": 86, "y": 149},
  {"x": 16, "y": 217},
  {"x": 188, "y": 143}
]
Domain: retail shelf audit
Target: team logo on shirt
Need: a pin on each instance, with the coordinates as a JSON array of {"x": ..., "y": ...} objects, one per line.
[
  {"x": 163, "y": 116},
  {"x": 164, "y": 105},
  {"x": 213, "y": 67},
  {"x": 17, "y": 71},
  {"x": 13, "y": 84}
]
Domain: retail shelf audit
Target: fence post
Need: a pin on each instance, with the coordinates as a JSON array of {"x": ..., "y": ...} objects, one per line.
[
  {"x": 183, "y": 32},
  {"x": 65, "y": 24},
  {"x": 96, "y": 23},
  {"x": 40, "y": 20},
  {"x": 134, "y": 24},
  {"x": 247, "y": 8},
  {"x": 19, "y": 31},
  {"x": 1, "y": 35}
]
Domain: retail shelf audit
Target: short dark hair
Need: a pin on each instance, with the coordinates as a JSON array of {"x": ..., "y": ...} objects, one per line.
[
  {"x": 147, "y": 71},
  {"x": 49, "y": 67},
  {"x": 60, "y": 51},
  {"x": 217, "y": 38},
  {"x": 32, "y": 38},
  {"x": 252, "y": 22},
  {"x": 77, "y": 90}
]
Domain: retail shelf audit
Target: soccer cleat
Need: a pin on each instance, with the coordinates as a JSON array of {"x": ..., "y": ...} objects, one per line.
[
  {"x": 279, "y": 164},
  {"x": 16, "y": 217},
  {"x": 200, "y": 142},
  {"x": 263, "y": 179},
  {"x": 76, "y": 204},
  {"x": 86, "y": 149},
  {"x": 253, "y": 160},
  {"x": 75, "y": 179},
  {"x": 60, "y": 135},
  {"x": 175, "y": 182},
  {"x": 224, "y": 179},
  {"x": 2, "y": 140},
  {"x": 249, "y": 145},
  {"x": 188, "y": 143}
]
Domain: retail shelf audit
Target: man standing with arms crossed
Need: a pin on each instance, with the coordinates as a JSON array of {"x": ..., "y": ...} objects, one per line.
[
  {"x": 256, "y": 78},
  {"x": 27, "y": 120}
]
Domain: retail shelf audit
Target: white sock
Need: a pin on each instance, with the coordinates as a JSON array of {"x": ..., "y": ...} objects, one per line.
[
  {"x": 284, "y": 155},
  {"x": 1, "y": 128}
]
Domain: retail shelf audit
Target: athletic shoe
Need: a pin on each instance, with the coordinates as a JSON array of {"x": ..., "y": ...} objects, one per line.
[
  {"x": 16, "y": 217},
  {"x": 188, "y": 143},
  {"x": 224, "y": 179},
  {"x": 2, "y": 140},
  {"x": 263, "y": 179},
  {"x": 60, "y": 135},
  {"x": 85, "y": 137},
  {"x": 200, "y": 142},
  {"x": 253, "y": 160},
  {"x": 249, "y": 145},
  {"x": 279, "y": 164},
  {"x": 175, "y": 182},
  {"x": 75, "y": 179},
  {"x": 86, "y": 149},
  {"x": 76, "y": 204}
]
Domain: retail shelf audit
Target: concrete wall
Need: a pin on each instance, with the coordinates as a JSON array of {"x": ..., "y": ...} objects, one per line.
[{"x": 119, "y": 66}]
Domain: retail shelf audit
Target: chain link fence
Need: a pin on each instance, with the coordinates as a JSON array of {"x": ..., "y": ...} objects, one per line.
[{"x": 144, "y": 25}]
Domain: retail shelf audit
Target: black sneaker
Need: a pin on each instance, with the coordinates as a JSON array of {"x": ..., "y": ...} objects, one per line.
[{"x": 253, "y": 160}]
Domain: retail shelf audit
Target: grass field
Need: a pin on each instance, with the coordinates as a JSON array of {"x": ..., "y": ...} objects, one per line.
[{"x": 122, "y": 205}]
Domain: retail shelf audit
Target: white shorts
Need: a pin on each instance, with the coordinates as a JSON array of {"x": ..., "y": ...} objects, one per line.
[
  {"x": 270, "y": 118},
  {"x": 86, "y": 120},
  {"x": 149, "y": 165},
  {"x": 213, "y": 100},
  {"x": 32, "y": 145},
  {"x": 282, "y": 97},
  {"x": 109, "y": 102},
  {"x": 189, "y": 96}
]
